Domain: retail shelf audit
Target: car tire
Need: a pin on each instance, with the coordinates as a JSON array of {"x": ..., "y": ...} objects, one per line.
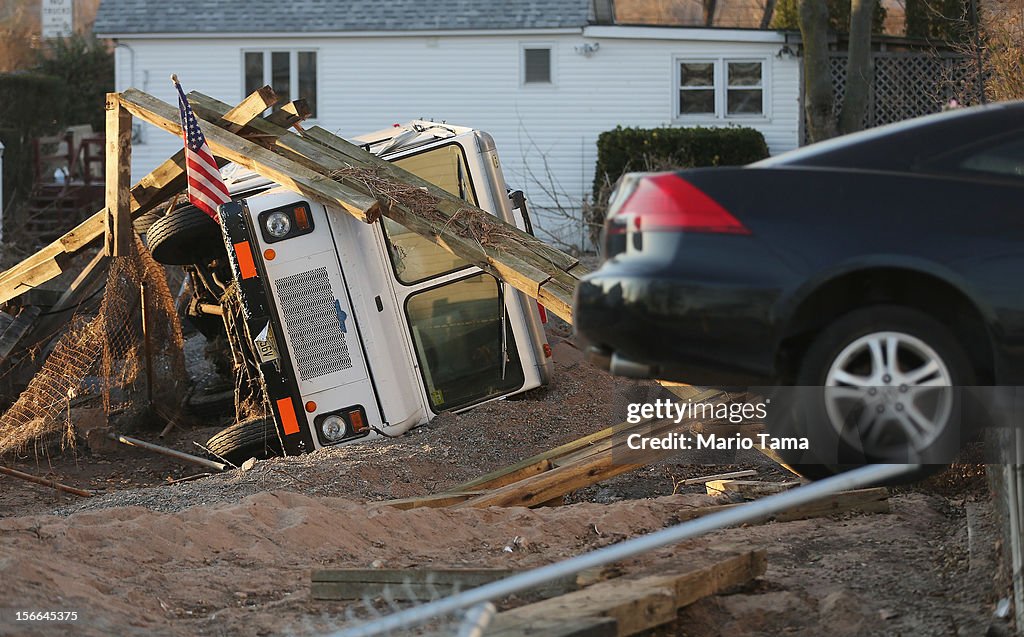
[
  {"x": 185, "y": 237},
  {"x": 241, "y": 441},
  {"x": 857, "y": 404}
]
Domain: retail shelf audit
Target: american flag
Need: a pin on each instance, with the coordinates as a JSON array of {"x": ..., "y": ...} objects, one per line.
[{"x": 206, "y": 189}]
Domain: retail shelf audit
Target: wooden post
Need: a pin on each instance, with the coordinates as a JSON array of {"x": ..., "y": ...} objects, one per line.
[{"x": 119, "y": 231}]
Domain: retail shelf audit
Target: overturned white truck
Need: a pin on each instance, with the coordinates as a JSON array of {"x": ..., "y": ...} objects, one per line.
[{"x": 343, "y": 331}]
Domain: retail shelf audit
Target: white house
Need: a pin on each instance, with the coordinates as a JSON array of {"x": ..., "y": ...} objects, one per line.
[{"x": 544, "y": 77}]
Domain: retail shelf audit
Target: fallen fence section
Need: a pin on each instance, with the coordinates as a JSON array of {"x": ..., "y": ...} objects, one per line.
[{"x": 738, "y": 514}]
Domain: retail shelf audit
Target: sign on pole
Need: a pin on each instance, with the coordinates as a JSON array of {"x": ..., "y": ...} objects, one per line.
[{"x": 58, "y": 18}]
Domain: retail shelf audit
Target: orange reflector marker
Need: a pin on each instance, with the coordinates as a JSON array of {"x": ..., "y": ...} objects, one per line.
[
  {"x": 301, "y": 218},
  {"x": 547, "y": 351},
  {"x": 289, "y": 422},
  {"x": 356, "y": 419},
  {"x": 311, "y": 406},
  {"x": 269, "y": 254},
  {"x": 246, "y": 265}
]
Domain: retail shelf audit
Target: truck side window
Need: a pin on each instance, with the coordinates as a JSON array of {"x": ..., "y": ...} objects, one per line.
[{"x": 415, "y": 258}]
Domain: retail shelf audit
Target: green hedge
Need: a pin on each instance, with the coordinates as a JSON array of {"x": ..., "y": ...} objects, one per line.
[{"x": 630, "y": 149}]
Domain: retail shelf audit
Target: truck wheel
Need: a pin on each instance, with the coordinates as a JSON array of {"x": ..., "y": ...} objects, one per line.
[
  {"x": 185, "y": 237},
  {"x": 241, "y": 441}
]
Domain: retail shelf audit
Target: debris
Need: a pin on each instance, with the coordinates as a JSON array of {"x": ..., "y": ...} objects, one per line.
[{"x": 14, "y": 473}]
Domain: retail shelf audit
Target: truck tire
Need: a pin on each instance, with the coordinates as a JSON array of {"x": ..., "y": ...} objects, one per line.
[
  {"x": 185, "y": 237},
  {"x": 241, "y": 441}
]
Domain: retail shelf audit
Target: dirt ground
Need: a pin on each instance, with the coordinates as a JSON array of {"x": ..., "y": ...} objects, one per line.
[{"x": 231, "y": 554}]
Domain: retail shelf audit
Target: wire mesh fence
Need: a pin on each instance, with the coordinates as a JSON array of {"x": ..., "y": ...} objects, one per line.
[{"x": 104, "y": 357}]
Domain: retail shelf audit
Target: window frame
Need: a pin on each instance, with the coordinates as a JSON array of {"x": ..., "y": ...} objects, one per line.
[
  {"x": 721, "y": 88},
  {"x": 552, "y": 66},
  {"x": 293, "y": 72}
]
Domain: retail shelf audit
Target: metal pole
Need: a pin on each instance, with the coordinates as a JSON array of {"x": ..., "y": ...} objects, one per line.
[
  {"x": 755, "y": 510},
  {"x": 14, "y": 473},
  {"x": 173, "y": 453}
]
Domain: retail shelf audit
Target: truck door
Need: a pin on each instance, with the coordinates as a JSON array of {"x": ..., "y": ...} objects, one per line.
[{"x": 456, "y": 314}]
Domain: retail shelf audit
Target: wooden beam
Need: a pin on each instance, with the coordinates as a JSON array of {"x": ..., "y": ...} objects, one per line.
[
  {"x": 256, "y": 102},
  {"x": 120, "y": 236},
  {"x": 748, "y": 489},
  {"x": 521, "y": 260},
  {"x": 549, "y": 485},
  {"x": 165, "y": 181},
  {"x": 284, "y": 171},
  {"x": 637, "y": 604},
  {"x": 875, "y": 500}
]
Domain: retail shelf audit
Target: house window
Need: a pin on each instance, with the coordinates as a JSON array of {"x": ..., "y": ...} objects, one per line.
[
  {"x": 697, "y": 88},
  {"x": 292, "y": 74},
  {"x": 744, "y": 94},
  {"x": 537, "y": 65},
  {"x": 720, "y": 88}
]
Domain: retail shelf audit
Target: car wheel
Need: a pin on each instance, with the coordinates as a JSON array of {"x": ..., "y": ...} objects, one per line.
[
  {"x": 881, "y": 384},
  {"x": 241, "y": 441},
  {"x": 185, "y": 237}
]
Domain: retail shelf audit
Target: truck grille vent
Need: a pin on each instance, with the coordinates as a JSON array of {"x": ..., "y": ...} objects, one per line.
[{"x": 315, "y": 323}]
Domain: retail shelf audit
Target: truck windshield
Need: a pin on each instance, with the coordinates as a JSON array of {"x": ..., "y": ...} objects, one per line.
[{"x": 415, "y": 258}]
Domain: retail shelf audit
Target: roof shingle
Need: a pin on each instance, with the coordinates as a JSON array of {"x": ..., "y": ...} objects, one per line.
[{"x": 312, "y": 16}]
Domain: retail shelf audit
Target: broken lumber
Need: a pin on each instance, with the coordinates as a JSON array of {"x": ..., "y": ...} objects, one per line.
[
  {"x": 284, "y": 171},
  {"x": 416, "y": 584},
  {"x": 874, "y": 500},
  {"x": 120, "y": 235},
  {"x": 748, "y": 489},
  {"x": 512, "y": 255},
  {"x": 166, "y": 180},
  {"x": 635, "y": 604}
]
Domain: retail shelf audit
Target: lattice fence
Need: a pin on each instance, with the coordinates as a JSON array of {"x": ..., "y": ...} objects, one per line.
[{"x": 907, "y": 84}]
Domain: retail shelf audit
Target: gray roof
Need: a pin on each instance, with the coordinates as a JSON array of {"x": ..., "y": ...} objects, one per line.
[{"x": 312, "y": 16}]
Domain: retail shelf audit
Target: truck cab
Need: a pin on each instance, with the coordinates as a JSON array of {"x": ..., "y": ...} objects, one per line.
[{"x": 342, "y": 331}]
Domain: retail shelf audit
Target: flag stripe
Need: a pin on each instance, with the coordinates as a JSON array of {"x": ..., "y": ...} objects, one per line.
[
  {"x": 206, "y": 187},
  {"x": 203, "y": 176}
]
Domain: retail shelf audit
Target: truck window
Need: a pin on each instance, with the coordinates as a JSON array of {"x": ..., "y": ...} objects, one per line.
[
  {"x": 415, "y": 258},
  {"x": 457, "y": 330}
]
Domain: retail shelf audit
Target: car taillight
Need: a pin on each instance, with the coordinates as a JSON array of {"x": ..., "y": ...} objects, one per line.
[{"x": 666, "y": 201}]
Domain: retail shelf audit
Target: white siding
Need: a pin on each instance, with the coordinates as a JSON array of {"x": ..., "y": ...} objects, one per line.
[{"x": 545, "y": 134}]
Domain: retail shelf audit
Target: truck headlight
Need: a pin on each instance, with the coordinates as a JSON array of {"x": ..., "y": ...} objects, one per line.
[
  {"x": 278, "y": 224},
  {"x": 333, "y": 428}
]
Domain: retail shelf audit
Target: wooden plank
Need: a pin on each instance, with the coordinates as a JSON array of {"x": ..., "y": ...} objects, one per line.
[
  {"x": 523, "y": 261},
  {"x": 120, "y": 236},
  {"x": 289, "y": 114},
  {"x": 284, "y": 171},
  {"x": 875, "y": 500},
  {"x": 418, "y": 584},
  {"x": 549, "y": 485},
  {"x": 719, "y": 476},
  {"x": 434, "y": 501},
  {"x": 256, "y": 102},
  {"x": 639, "y": 603},
  {"x": 560, "y": 451},
  {"x": 162, "y": 183},
  {"x": 749, "y": 489}
]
